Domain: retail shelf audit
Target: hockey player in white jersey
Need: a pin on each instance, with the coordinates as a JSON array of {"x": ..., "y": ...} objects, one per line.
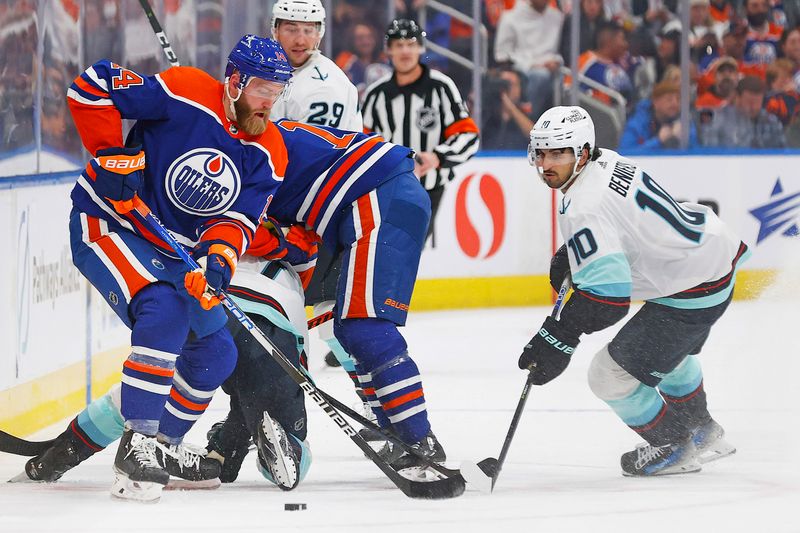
[
  {"x": 628, "y": 239},
  {"x": 320, "y": 92}
]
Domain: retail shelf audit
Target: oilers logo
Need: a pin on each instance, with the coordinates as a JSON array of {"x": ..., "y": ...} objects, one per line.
[{"x": 203, "y": 182}]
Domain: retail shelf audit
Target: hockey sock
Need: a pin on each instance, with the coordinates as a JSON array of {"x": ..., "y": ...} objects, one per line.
[
  {"x": 645, "y": 412},
  {"x": 381, "y": 351},
  {"x": 100, "y": 422},
  {"x": 683, "y": 391},
  {"x": 160, "y": 327},
  {"x": 202, "y": 367},
  {"x": 364, "y": 385}
]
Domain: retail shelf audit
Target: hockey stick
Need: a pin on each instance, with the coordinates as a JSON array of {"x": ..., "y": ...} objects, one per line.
[
  {"x": 11, "y": 444},
  {"x": 449, "y": 487},
  {"x": 160, "y": 35},
  {"x": 484, "y": 474},
  {"x": 316, "y": 321}
]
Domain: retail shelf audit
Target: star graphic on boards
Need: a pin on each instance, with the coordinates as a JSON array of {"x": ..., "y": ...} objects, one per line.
[{"x": 782, "y": 212}]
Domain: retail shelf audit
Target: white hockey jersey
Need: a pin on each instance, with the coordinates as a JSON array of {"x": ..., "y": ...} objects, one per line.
[
  {"x": 627, "y": 237},
  {"x": 320, "y": 93},
  {"x": 271, "y": 289}
]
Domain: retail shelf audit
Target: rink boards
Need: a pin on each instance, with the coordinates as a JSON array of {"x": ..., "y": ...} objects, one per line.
[{"x": 494, "y": 235}]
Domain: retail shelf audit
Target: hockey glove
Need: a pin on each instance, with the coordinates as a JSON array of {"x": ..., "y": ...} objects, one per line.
[
  {"x": 118, "y": 175},
  {"x": 217, "y": 263},
  {"x": 549, "y": 351},
  {"x": 296, "y": 245},
  {"x": 559, "y": 268}
]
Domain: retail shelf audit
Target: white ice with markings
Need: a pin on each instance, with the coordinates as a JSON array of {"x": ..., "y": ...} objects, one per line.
[{"x": 562, "y": 474}]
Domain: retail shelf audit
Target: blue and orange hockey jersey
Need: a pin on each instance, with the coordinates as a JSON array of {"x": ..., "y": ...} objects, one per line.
[
  {"x": 327, "y": 170},
  {"x": 204, "y": 179}
]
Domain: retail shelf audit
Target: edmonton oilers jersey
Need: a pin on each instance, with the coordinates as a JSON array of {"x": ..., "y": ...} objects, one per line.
[
  {"x": 327, "y": 170},
  {"x": 200, "y": 172}
]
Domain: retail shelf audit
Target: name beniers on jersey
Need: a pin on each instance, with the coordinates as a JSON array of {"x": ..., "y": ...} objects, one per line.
[
  {"x": 621, "y": 178},
  {"x": 203, "y": 181}
]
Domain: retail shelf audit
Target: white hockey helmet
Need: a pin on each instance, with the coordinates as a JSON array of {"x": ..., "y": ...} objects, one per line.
[
  {"x": 299, "y": 11},
  {"x": 562, "y": 127}
]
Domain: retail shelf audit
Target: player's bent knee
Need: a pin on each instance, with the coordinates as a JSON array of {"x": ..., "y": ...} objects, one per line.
[
  {"x": 607, "y": 379},
  {"x": 371, "y": 341}
]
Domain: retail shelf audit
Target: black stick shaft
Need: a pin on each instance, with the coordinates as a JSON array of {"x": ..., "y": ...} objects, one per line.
[
  {"x": 160, "y": 35},
  {"x": 523, "y": 398}
]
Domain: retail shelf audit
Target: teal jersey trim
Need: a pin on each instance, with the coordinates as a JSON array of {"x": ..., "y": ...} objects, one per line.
[
  {"x": 606, "y": 276},
  {"x": 704, "y": 302},
  {"x": 271, "y": 314}
]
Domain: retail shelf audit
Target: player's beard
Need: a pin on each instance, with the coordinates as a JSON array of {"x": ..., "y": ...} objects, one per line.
[{"x": 248, "y": 121}]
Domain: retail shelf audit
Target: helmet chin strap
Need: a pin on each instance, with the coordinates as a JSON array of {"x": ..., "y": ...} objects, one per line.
[
  {"x": 231, "y": 99},
  {"x": 574, "y": 175}
]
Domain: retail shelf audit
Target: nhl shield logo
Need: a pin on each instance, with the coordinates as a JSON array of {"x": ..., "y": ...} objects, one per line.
[
  {"x": 203, "y": 181},
  {"x": 426, "y": 118}
]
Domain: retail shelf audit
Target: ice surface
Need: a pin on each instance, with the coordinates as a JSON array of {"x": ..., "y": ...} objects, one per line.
[{"x": 562, "y": 473}]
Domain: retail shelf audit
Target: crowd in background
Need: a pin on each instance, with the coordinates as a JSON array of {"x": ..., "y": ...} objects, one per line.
[{"x": 744, "y": 71}]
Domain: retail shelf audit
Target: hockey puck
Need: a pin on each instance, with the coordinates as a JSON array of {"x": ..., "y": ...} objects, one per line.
[{"x": 294, "y": 507}]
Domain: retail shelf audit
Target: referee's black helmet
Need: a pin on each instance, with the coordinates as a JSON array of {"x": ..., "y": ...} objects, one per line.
[{"x": 405, "y": 29}]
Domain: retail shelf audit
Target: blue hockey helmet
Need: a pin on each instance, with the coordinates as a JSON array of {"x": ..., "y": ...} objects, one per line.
[{"x": 254, "y": 56}]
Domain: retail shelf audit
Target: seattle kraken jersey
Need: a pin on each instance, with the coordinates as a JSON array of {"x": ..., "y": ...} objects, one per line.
[
  {"x": 627, "y": 237},
  {"x": 201, "y": 171},
  {"x": 320, "y": 93},
  {"x": 327, "y": 170}
]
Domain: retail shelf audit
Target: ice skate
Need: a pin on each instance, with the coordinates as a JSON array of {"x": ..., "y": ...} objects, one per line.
[
  {"x": 369, "y": 434},
  {"x": 411, "y": 466},
  {"x": 67, "y": 452},
  {"x": 709, "y": 440},
  {"x": 278, "y": 454},
  {"x": 140, "y": 475},
  {"x": 189, "y": 466},
  {"x": 647, "y": 460}
]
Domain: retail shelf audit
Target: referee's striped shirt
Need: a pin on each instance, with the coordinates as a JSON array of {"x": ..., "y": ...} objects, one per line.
[{"x": 427, "y": 116}]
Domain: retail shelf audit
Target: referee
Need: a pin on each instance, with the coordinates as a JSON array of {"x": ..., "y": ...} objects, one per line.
[{"x": 419, "y": 107}]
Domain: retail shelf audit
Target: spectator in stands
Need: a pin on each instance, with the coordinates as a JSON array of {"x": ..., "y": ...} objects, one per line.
[
  {"x": 604, "y": 63},
  {"x": 668, "y": 50},
  {"x": 790, "y": 49},
  {"x": 726, "y": 76},
  {"x": 365, "y": 62},
  {"x": 592, "y": 17},
  {"x": 700, "y": 21},
  {"x": 782, "y": 97},
  {"x": 527, "y": 38},
  {"x": 763, "y": 36},
  {"x": 507, "y": 118},
  {"x": 656, "y": 122},
  {"x": 744, "y": 122},
  {"x": 720, "y": 12}
]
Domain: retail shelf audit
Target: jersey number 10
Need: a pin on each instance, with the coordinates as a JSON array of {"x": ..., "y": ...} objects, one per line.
[{"x": 690, "y": 224}]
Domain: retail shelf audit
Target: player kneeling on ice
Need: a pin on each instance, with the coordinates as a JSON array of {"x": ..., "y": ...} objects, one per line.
[
  {"x": 627, "y": 238},
  {"x": 266, "y": 407}
]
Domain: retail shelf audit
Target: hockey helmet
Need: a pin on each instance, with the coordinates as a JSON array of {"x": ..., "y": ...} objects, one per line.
[
  {"x": 257, "y": 57},
  {"x": 405, "y": 29},
  {"x": 299, "y": 11},
  {"x": 562, "y": 127}
]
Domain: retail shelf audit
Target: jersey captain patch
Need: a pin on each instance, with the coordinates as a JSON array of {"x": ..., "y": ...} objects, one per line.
[{"x": 203, "y": 181}]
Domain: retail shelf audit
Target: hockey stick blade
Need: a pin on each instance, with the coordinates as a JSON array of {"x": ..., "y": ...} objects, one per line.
[
  {"x": 11, "y": 444},
  {"x": 481, "y": 475}
]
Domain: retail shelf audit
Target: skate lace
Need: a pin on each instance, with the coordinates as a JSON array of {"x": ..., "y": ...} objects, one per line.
[
  {"x": 188, "y": 457},
  {"x": 144, "y": 450},
  {"x": 647, "y": 454}
]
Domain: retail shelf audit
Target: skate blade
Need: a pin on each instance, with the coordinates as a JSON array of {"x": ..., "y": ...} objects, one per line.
[
  {"x": 285, "y": 475},
  {"x": 23, "y": 478},
  {"x": 719, "y": 450},
  {"x": 185, "y": 484},
  {"x": 422, "y": 474},
  {"x": 688, "y": 468},
  {"x": 125, "y": 489}
]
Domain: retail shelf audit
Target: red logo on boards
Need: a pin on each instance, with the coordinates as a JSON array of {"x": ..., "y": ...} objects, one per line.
[{"x": 480, "y": 215}]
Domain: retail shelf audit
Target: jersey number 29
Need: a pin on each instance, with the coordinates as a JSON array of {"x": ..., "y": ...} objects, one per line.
[{"x": 319, "y": 114}]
